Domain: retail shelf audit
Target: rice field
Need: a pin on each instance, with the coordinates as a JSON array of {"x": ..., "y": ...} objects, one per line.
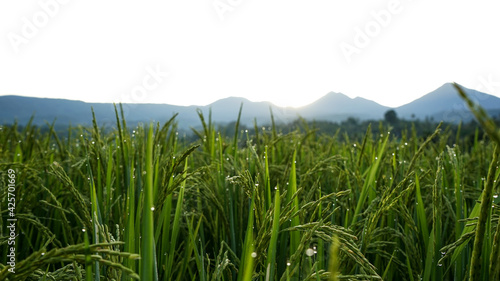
[{"x": 144, "y": 203}]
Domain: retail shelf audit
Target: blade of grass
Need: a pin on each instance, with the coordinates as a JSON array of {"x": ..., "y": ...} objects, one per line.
[
  {"x": 484, "y": 213},
  {"x": 248, "y": 255},
  {"x": 291, "y": 194},
  {"x": 147, "y": 249},
  {"x": 271, "y": 253},
  {"x": 421, "y": 217},
  {"x": 176, "y": 226},
  {"x": 370, "y": 180}
]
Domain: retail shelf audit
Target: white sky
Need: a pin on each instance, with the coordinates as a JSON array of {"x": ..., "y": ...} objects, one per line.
[{"x": 284, "y": 51}]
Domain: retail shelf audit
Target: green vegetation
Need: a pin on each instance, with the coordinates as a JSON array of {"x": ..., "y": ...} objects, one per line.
[{"x": 144, "y": 203}]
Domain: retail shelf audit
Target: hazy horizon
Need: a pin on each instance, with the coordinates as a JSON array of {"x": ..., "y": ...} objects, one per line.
[
  {"x": 290, "y": 54},
  {"x": 239, "y": 97}
]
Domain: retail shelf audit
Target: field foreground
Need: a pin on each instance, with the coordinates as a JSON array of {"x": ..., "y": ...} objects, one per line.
[{"x": 143, "y": 203}]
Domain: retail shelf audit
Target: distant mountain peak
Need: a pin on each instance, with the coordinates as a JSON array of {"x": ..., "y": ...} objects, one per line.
[
  {"x": 337, "y": 106},
  {"x": 336, "y": 95},
  {"x": 233, "y": 98},
  {"x": 233, "y": 101},
  {"x": 444, "y": 103}
]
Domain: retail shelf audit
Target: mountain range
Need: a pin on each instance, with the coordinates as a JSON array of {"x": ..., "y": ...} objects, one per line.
[{"x": 440, "y": 104}]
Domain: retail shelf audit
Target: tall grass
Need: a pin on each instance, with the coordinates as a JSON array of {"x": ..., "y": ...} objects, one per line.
[{"x": 257, "y": 205}]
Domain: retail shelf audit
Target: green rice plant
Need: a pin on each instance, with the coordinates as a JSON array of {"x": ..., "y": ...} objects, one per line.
[
  {"x": 484, "y": 216},
  {"x": 74, "y": 253},
  {"x": 88, "y": 259},
  {"x": 494, "y": 267},
  {"x": 456, "y": 170},
  {"x": 96, "y": 215},
  {"x": 487, "y": 194},
  {"x": 267, "y": 179},
  {"x": 432, "y": 265},
  {"x": 248, "y": 255},
  {"x": 148, "y": 259},
  {"x": 294, "y": 200},
  {"x": 421, "y": 217},
  {"x": 130, "y": 233},
  {"x": 333, "y": 264},
  {"x": 176, "y": 226},
  {"x": 272, "y": 250},
  {"x": 367, "y": 191}
]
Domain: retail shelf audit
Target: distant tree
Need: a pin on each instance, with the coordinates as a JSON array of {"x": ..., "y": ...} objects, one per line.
[
  {"x": 352, "y": 121},
  {"x": 390, "y": 116}
]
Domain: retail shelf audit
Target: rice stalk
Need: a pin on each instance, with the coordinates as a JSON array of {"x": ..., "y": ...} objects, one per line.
[{"x": 147, "y": 248}]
